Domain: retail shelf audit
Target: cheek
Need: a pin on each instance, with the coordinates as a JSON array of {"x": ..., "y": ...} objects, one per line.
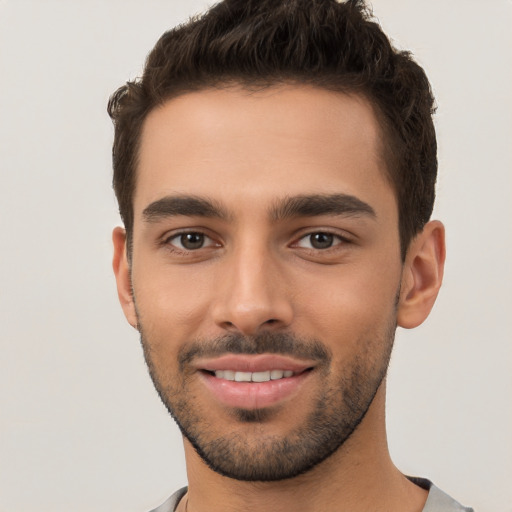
[
  {"x": 172, "y": 303},
  {"x": 348, "y": 306}
]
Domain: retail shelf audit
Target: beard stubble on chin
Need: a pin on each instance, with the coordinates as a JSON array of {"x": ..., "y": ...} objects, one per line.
[{"x": 253, "y": 454}]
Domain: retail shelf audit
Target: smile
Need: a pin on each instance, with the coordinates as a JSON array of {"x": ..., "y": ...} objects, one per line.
[
  {"x": 253, "y": 381},
  {"x": 263, "y": 376}
]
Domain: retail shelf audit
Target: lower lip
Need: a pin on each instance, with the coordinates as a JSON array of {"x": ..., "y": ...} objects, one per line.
[{"x": 253, "y": 395}]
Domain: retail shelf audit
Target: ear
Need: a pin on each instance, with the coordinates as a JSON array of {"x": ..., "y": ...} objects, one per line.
[
  {"x": 422, "y": 275},
  {"x": 121, "y": 268}
]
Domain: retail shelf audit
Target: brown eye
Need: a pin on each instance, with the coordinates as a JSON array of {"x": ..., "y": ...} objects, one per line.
[
  {"x": 191, "y": 241},
  {"x": 321, "y": 240}
]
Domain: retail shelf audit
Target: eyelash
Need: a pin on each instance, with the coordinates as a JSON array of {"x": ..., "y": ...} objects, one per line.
[
  {"x": 168, "y": 241},
  {"x": 337, "y": 241}
]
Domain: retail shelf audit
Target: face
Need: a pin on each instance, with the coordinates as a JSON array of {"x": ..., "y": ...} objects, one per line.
[{"x": 265, "y": 272}]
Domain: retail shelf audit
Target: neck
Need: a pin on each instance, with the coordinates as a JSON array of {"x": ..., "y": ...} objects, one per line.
[{"x": 358, "y": 476}]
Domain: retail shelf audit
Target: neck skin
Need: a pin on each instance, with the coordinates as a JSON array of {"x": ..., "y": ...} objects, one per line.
[{"x": 359, "y": 476}]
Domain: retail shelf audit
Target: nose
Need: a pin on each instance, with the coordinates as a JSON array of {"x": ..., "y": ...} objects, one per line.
[{"x": 252, "y": 294}]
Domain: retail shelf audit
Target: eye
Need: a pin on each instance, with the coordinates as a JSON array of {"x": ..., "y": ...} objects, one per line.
[
  {"x": 190, "y": 241},
  {"x": 320, "y": 240}
]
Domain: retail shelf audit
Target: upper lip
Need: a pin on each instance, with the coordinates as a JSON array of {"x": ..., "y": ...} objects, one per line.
[{"x": 253, "y": 363}]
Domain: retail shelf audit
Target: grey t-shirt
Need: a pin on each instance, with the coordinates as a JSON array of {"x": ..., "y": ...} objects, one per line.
[{"x": 437, "y": 500}]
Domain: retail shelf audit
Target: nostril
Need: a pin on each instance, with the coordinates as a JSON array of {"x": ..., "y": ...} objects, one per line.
[{"x": 248, "y": 318}]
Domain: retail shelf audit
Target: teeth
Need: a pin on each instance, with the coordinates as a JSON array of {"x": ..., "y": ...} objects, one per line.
[
  {"x": 260, "y": 376},
  {"x": 276, "y": 374},
  {"x": 243, "y": 376},
  {"x": 252, "y": 376},
  {"x": 228, "y": 374}
]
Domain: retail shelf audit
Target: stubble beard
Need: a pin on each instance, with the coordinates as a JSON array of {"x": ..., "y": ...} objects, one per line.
[{"x": 339, "y": 408}]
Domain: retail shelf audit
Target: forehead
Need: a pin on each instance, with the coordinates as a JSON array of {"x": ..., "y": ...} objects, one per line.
[{"x": 234, "y": 143}]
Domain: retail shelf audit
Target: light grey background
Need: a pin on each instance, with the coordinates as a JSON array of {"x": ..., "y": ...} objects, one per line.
[{"x": 80, "y": 426}]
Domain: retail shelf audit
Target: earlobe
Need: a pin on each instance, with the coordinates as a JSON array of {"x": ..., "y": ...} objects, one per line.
[
  {"x": 422, "y": 275},
  {"x": 121, "y": 268}
]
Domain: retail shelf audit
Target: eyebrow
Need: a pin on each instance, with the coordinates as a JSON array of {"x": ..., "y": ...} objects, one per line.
[
  {"x": 290, "y": 207},
  {"x": 320, "y": 204},
  {"x": 190, "y": 206}
]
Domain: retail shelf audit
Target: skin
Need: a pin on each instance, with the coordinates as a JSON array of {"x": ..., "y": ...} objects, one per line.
[{"x": 247, "y": 152}]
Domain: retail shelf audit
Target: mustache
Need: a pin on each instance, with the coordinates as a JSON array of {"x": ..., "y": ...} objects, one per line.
[{"x": 263, "y": 343}]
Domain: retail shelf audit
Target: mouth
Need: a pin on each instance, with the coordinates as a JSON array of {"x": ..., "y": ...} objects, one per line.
[
  {"x": 264, "y": 376},
  {"x": 254, "y": 382}
]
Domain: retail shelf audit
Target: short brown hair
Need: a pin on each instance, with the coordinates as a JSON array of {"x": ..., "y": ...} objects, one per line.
[{"x": 260, "y": 43}]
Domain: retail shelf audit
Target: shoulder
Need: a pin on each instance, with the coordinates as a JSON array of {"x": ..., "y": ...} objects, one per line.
[
  {"x": 438, "y": 501},
  {"x": 171, "y": 503}
]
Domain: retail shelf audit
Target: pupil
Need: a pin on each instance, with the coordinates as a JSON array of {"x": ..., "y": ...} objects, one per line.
[
  {"x": 322, "y": 240},
  {"x": 192, "y": 240}
]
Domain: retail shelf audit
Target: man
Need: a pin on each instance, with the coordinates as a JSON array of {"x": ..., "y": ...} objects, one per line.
[{"x": 275, "y": 169}]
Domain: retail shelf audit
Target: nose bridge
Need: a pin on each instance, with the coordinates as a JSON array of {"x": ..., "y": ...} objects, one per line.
[{"x": 254, "y": 292}]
